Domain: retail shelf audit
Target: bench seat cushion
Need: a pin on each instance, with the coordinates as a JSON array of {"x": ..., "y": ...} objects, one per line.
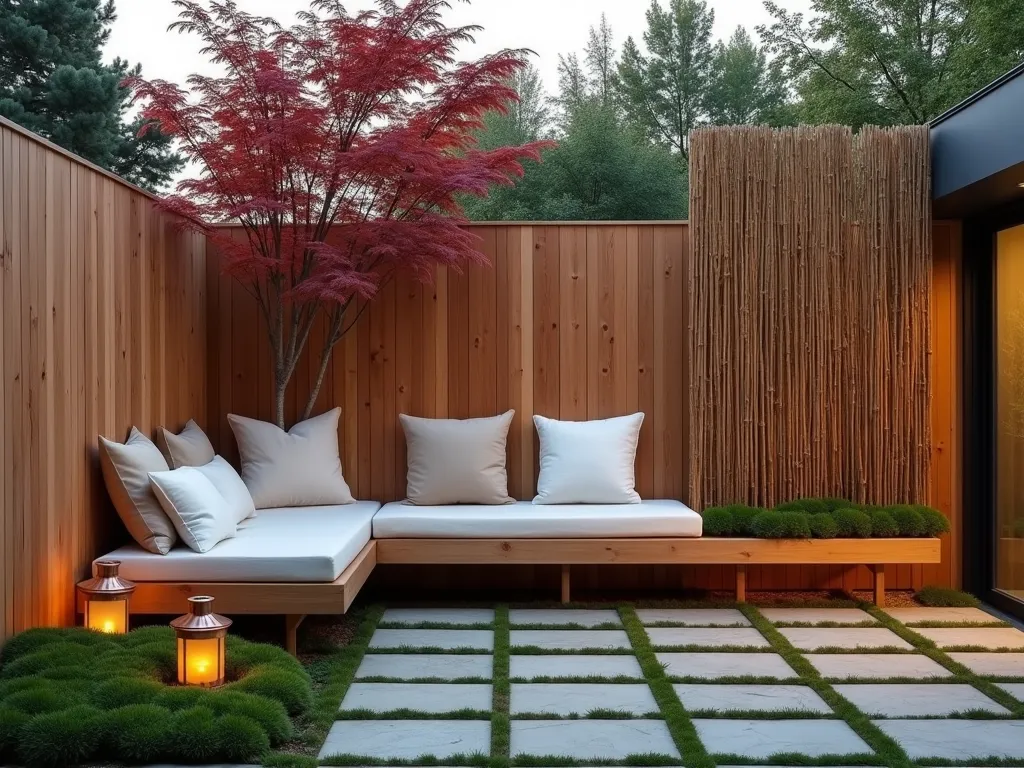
[
  {"x": 297, "y": 544},
  {"x": 523, "y": 520}
]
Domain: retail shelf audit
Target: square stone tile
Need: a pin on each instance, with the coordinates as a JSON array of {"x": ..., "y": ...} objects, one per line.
[
  {"x": 918, "y": 700},
  {"x": 438, "y": 615},
  {"x": 813, "y": 638},
  {"x": 482, "y": 639},
  {"x": 431, "y": 697},
  {"x": 587, "y": 665},
  {"x": 569, "y": 639},
  {"x": 580, "y": 698},
  {"x": 957, "y": 739},
  {"x": 710, "y": 637},
  {"x": 692, "y": 617},
  {"x": 1014, "y": 689},
  {"x": 407, "y": 739},
  {"x": 591, "y": 739},
  {"x": 751, "y": 698},
  {"x": 565, "y": 616},
  {"x": 817, "y": 615},
  {"x": 759, "y": 739},
  {"x": 914, "y": 615},
  {"x": 991, "y": 664},
  {"x": 444, "y": 666},
  {"x": 713, "y": 666},
  {"x": 985, "y": 637},
  {"x": 861, "y": 666}
]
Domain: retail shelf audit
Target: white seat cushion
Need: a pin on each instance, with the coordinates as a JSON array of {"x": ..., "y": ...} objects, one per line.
[
  {"x": 296, "y": 544},
  {"x": 524, "y": 520}
]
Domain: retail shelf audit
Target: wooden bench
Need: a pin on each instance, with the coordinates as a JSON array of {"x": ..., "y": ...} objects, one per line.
[{"x": 875, "y": 553}]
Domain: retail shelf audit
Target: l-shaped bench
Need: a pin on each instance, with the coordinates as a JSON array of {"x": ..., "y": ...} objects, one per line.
[{"x": 314, "y": 560}]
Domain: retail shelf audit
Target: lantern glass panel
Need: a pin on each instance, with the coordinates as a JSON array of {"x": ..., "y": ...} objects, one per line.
[
  {"x": 201, "y": 661},
  {"x": 110, "y": 616}
]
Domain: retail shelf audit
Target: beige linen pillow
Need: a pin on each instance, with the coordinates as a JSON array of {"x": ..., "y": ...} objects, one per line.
[
  {"x": 126, "y": 469},
  {"x": 201, "y": 515},
  {"x": 230, "y": 486},
  {"x": 588, "y": 462},
  {"x": 453, "y": 461},
  {"x": 297, "y": 468},
  {"x": 189, "y": 448}
]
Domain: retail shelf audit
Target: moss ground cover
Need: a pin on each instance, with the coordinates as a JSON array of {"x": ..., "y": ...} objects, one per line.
[
  {"x": 69, "y": 696},
  {"x": 824, "y": 519}
]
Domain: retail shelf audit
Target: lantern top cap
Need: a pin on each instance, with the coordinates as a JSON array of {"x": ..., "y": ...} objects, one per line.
[
  {"x": 106, "y": 582},
  {"x": 201, "y": 619}
]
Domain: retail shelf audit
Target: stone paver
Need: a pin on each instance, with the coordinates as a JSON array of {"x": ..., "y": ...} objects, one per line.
[
  {"x": 817, "y": 615},
  {"x": 918, "y": 700},
  {"x": 433, "y": 697},
  {"x": 588, "y": 665},
  {"x": 438, "y": 615},
  {"x": 582, "y": 618},
  {"x": 854, "y": 666},
  {"x": 580, "y": 698},
  {"x": 569, "y": 639},
  {"x": 707, "y": 636},
  {"x": 693, "y": 617},
  {"x": 991, "y": 664},
  {"x": 1014, "y": 689},
  {"x": 407, "y": 739},
  {"x": 591, "y": 739},
  {"x": 914, "y": 615},
  {"x": 712, "y": 666},
  {"x": 413, "y": 666},
  {"x": 985, "y": 637},
  {"x": 813, "y": 638},
  {"x": 482, "y": 639},
  {"x": 751, "y": 698},
  {"x": 759, "y": 739},
  {"x": 957, "y": 739}
]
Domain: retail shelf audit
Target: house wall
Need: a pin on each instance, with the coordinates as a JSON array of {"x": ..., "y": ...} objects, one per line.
[
  {"x": 102, "y": 327},
  {"x": 573, "y": 321}
]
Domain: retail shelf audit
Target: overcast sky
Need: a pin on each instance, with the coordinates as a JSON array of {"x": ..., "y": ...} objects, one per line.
[{"x": 549, "y": 27}]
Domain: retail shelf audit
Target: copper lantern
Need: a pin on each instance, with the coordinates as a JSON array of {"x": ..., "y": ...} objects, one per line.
[
  {"x": 202, "y": 635},
  {"x": 105, "y": 598}
]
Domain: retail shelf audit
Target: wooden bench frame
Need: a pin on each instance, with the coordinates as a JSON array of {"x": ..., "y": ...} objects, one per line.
[
  {"x": 297, "y": 600},
  {"x": 875, "y": 553}
]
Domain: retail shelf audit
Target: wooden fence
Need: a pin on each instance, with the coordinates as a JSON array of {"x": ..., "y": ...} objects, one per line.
[
  {"x": 573, "y": 321},
  {"x": 102, "y": 327}
]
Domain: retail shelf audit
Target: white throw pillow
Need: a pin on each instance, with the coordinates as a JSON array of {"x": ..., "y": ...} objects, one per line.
[
  {"x": 297, "y": 468},
  {"x": 230, "y": 486},
  {"x": 189, "y": 448},
  {"x": 588, "y": 462},
  {"x": 126, "y": 468},
  {"x": 457, "y": 461},
  {"x": 202, "y": 517}
]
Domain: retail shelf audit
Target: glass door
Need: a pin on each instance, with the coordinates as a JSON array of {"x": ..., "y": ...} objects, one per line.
[{"x": 1008, "y": 552}]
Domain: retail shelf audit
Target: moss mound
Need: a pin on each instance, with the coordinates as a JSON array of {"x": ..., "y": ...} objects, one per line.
[
  {"x": 852, "y": 523},
  {"x": 823, "y": 526},
  {"x": 70, "y": 696},
  {"x": 883, "y": 526},
  {"x": 717, "y": 521}
]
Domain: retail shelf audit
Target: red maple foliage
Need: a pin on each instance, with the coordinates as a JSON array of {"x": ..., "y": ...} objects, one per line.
[{"x": 342, "y": 146}]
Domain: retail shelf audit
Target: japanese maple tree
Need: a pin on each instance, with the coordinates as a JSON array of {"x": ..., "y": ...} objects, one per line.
[{"x": 342, "y": 145}]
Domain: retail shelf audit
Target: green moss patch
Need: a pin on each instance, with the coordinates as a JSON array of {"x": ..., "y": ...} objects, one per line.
[
  {"x": 824, "y": 519},
  {"x": 71, "y": 696},
  {"x": 944, "y": 597}
]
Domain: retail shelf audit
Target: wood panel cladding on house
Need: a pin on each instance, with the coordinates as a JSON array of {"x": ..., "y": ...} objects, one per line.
[
  {"x": 103, "y": 327},
  {"x": 571, "y": 321}
]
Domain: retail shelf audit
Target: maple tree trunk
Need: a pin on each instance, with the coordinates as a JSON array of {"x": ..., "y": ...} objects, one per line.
[{"x": 333, "y": 335}]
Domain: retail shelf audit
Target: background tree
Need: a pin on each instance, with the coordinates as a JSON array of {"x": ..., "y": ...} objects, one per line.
[
  {"x": 745, "y": 88},
  {"x": 893, "y": 61},
  {"x": 342, "y": 145},
  {"x": 599, "y": 56},
  {"x": 664, "y": 90},
  {"x": 53, "y": 82}
]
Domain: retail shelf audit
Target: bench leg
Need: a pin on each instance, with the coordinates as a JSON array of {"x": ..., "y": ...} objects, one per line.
[
  {"x": 291, "y": 632},
  {"x": 741, "y": 583},
  {"x": 565, "y": 583},
  {"x": 879, "y": 572}
]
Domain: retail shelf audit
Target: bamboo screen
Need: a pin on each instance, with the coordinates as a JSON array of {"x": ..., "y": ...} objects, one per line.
[{"x": 809, "y": 314}]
